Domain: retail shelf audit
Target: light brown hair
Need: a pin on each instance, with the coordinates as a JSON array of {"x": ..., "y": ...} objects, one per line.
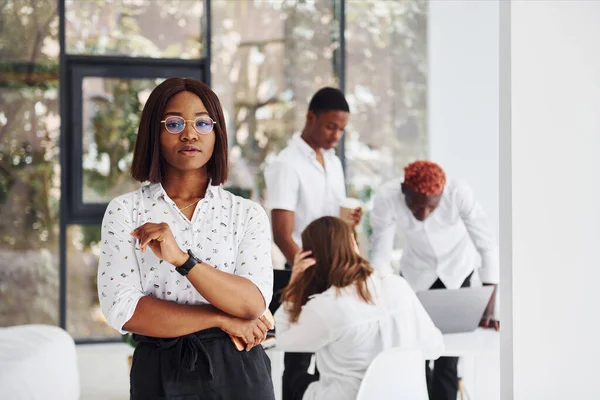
[{"x": 338, "y": 264}]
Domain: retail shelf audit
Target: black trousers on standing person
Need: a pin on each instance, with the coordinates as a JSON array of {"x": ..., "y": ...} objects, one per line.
[
  {"x": 295, "y": 378},
  {"x": 201, "y": 366},
  {"x": 442, "y": 381}
]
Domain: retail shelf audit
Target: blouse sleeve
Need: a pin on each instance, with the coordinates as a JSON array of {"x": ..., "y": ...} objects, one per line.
[
  {"x": 119, "y": 280},
  {"x": 253, "y": 260},
  {"x": 308, "y": 334}
]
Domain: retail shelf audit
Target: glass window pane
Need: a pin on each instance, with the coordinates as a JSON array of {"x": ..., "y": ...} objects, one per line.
[
  {"x": 29, "y": 163},
  {"x": 135, "y": 28},
  {"x": 386, "y": 86},
  {"x": 112, "y": 108},
  {"x": 84, "y": 316},
  {"x": 265, "y": 73}
]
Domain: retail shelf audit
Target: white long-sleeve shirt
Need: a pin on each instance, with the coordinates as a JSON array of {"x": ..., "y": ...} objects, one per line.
[
  {"x": 346, "y": 333},
  {"x": 452, "y": 242},
  {"x": 228, "y": 232}
]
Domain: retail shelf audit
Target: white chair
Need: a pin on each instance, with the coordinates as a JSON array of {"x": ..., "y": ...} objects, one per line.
[
  {"x": 395, "y": 374},
  {"x": 38, "y": 362}
]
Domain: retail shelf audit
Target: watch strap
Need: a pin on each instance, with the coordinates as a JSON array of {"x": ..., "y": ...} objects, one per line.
[{"x": 187, "y": 266}]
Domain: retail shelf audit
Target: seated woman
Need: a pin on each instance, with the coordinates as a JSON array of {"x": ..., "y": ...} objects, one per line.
[{"x": 339, "y": 308}]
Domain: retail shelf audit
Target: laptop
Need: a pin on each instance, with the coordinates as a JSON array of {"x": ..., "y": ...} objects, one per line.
[{"x": 456, "y": 310}]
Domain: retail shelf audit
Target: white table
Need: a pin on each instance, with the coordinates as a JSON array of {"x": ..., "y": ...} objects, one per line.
[
  {"x": 479, "y": 366},
  {"x": 480, "y": 362}
]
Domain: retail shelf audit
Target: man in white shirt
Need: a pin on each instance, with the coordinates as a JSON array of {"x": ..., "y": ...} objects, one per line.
[
  {"x": 447, "y": 237},
  {"x": 305, "y": 182}
]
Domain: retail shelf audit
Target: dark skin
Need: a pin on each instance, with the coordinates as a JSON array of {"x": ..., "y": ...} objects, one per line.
[
  {"x": 236, "y": 303},
  {"x": 321, "y": 131},
  {"x": 421, "y": 207}
]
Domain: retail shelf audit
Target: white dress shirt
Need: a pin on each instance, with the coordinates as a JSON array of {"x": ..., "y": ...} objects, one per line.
[
  {"x": 226, "y": 231},
  {"x": 453, "y": 241},
  {"x": 297, "y": 182},
  {"x": 346, "y": 333}
]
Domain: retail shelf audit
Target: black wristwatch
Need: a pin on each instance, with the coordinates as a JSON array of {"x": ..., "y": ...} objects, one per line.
[{"x": 189, "y": 264}]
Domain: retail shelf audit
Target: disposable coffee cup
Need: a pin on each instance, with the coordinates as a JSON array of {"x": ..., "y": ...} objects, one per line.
[{"x": 347, "y": 206}]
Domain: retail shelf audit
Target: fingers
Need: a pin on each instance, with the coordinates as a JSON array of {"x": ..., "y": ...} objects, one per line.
[
  {"x": 146, "y": 237},
  {"x": 355, "y": 216},
  {"x": 267, "y": 322},
  {"x": 254, "y": 338},
  {"x": 301, "y": 255},
  {"x": 259, "y": 333},
  {"x": 496, "y": 325},
  {"x": 485, "y": 322},
  {"x": 264, "y": 328},
  {"x": 356, "y": 212},
  {"x": 148, "y": 232},
  {"x": 304, "y": 264},
  {"x": 249, "y": 339},
  {"x": 488, "y": 322}
]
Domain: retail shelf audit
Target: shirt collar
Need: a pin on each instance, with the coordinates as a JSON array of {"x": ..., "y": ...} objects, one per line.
[
  {"x": 305, "y": 148},
  {"x": 157, "y": 191}
]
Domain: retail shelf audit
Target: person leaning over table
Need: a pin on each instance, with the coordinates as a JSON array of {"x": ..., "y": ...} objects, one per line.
[{"x": 447, "y": 236}]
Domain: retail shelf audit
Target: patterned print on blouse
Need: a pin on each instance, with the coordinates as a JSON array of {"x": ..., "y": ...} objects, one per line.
[{"x": 226, "y": 231}]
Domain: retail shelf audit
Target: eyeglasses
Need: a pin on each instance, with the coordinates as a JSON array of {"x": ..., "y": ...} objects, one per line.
[{"x": 175, "y": 125}]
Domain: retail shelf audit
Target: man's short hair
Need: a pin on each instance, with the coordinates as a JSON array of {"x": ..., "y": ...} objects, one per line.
[
  {"x": 425, "y": 177},
  {"x": 328, "y": 99}
]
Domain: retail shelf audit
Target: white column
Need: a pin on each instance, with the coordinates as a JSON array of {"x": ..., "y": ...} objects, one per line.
[
  {"x": 555, "y": 201},
  {"x": 463, "y": 94}
]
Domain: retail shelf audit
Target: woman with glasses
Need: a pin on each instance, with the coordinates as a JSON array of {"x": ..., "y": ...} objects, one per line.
[
  {"x": 339, "y": 308},
  {"x": 185, "y": 265}
]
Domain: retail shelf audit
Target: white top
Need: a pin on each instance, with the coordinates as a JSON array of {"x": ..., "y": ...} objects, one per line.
[
  {"x": 453, "y": 241},
  {"x": 297, "y": 182},
  {"x": 347, "y": 334},
  {"x": 227, "y": 231}
]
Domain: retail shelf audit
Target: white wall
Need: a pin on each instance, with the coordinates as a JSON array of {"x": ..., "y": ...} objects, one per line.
[
  {"x": 555, "y": 59},
  {"x": 463, "y": 94}
]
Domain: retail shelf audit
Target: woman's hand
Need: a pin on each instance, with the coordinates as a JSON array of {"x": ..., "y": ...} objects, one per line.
[
  {"x": 302, "y": 261},
  {"x": 161, "y": 241},
  {"x": 252, "y": 332}
]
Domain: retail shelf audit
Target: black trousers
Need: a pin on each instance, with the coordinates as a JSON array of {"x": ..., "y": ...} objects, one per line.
[
  {"x": 442, "y": 381},
  {"x": 201, "y": 366},
  {"x": 295, "y": 378}
]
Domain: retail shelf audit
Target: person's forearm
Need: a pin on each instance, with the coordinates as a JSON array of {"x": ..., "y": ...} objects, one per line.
[
  {"x": 166, "y": 319},
  {"x": 229, "y": 293},
  {"x": 288, "y": 247}
]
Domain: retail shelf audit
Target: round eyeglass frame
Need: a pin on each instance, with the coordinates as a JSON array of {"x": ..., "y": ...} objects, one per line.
[{"x": 185, "y": 121}]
